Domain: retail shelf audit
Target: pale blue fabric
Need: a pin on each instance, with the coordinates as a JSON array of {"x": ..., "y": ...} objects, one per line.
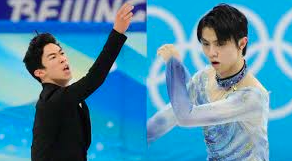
[{"x": 235, "y": 128}]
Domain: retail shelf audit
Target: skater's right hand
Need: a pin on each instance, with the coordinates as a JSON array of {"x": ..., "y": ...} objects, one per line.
[
  {"x": 123, "y": 18},
  {"x": 167, "y": 51}
]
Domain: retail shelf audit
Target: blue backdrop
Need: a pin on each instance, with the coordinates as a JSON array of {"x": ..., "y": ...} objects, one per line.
[
  {"x": 268, "y": 56},
  {"x": 117, "y": 108}
]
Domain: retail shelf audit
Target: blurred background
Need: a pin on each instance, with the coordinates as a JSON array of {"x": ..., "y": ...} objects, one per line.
[
  {"x": 268, "y": 57},
  {"x": 117, "y": 108}
]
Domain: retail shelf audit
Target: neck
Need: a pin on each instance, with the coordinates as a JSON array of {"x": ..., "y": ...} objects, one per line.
[
  {"x": 232, "y": 79},
  {"x": 232, "y": 70}
]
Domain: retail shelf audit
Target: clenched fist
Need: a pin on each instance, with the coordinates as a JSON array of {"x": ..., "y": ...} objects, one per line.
[
  {"x": 167, "y": 51},
  {"x": 123, "y": 18}
]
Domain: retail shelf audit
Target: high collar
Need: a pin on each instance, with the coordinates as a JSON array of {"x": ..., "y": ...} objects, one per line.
[
  {"x": 50, "y": 85},
  {"x": 230, "y": 81},
  {"x": 48, "y": 90}
]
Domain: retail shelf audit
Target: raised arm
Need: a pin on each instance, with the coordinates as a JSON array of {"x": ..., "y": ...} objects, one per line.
[
  {"x": 164, "y": 120},
  {"x": 97, "y": 73},
  {"x": 244, "y": 104}
]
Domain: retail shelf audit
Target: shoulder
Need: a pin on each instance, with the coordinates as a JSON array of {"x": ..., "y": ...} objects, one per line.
[
  {"x": 52, "y": 99},
  {"x": 251, "y": 88},
  {"x": 253, "y": 83}
]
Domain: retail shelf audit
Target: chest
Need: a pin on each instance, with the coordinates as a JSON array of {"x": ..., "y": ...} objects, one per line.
[
  {"x": 74, "y": 117},
  {"x": 214, "y": 93}
]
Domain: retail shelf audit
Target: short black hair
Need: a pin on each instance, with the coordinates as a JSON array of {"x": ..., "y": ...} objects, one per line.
[
  {"x": 34, "y": 53},
  {"x": 228, "y": 23}
]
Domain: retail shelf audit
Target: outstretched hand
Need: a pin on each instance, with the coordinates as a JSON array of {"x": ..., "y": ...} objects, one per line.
[
  {"x": 123, "y": 18},
  {"x": 167, "y": 51}
]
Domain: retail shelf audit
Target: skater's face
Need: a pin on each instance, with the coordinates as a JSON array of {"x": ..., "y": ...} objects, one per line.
[
  {"x": 56, "y": 65},
  {"x": 224, "y": 56}
]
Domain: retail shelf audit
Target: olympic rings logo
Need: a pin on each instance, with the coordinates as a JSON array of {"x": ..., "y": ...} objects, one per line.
[{"x": 261, "y": 46}]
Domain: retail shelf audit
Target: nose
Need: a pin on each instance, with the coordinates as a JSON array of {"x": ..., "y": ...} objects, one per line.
[
  {"x": 213, "y": 52},
  {"x": 63, "y": 58}
]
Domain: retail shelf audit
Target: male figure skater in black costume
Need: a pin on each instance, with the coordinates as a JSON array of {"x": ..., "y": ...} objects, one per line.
[{"x": 62, "y": 130}]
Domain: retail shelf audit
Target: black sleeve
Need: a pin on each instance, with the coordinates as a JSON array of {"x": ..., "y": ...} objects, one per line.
[{"x": 96, "y": 75}]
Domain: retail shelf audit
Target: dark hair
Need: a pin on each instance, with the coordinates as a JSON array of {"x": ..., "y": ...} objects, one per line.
[
  {"x": 34, "y": 53},
  {"x": 227, "y": 22}
]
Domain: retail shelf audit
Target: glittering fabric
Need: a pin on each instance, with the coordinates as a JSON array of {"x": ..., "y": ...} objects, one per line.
[
  {"x": 235, "y": 128},
  {"x": 228, "y": 82}
]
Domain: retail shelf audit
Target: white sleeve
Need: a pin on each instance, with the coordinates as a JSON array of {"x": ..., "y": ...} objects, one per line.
[
  {"x": 164, "y": 120},
  {"x": 241, "y": 105},
  {"x": 160, "y": 123}
]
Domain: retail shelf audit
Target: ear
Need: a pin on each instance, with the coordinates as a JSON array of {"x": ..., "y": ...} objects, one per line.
[
  {"x": 242, "y": 43},
  {"x": 39, "y": 73}
]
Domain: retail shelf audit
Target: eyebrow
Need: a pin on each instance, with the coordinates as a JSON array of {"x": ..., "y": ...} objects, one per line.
[
  {"x": 207, "y": 40},
  {"x": 53, "y": 53}
]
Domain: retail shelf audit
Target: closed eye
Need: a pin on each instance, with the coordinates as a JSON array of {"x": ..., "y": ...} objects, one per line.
[
  {"x": 205, "y": 44},
  {"x": 221, "y": 43}
]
